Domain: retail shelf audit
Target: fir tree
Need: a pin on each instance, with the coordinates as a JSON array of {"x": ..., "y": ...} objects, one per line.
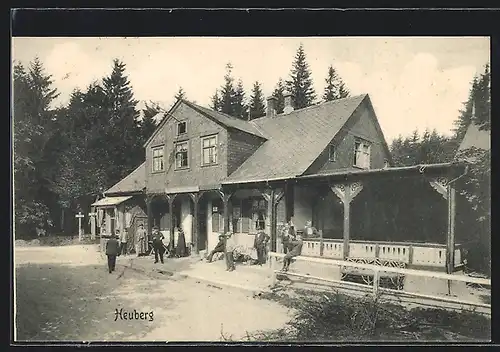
[
  {"x": 148, "y": 122},
  {"x": 123, "y": 133},
  {"x": 227, "y": 92},
  {"x": 215, "y": 101},
  {"x": 257, "y": 105},
  {"x": 278, "y": 94},
  {"x": 239, "y": 108},
  {"x": 180, "y": 94},
  {"x": 300, "y": 83},
  {"x": 335, "y": 88}
]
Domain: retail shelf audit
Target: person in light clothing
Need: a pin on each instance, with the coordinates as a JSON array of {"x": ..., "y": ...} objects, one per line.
[
  {"x": 123, "y": 241},
  {"x": 230, "y": 245},
  {"x": 141, "y": 246}
]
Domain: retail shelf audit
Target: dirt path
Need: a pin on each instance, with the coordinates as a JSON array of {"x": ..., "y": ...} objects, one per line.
[{"x": 66, "y": 294}]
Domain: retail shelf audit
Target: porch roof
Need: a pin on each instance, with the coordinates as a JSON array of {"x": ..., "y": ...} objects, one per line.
[
  {"x": 133, "y": 182},
  {"x": 343, "y": 174},
  {"x": 110, "y": 201}
]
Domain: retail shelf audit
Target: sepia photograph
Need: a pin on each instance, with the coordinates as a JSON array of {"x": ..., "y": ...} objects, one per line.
[{"x": 251, "y": 189}]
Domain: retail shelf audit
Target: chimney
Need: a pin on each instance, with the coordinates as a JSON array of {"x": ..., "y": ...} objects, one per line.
[
  {"x": 288, "y": 102},
  {"x": 271, "y": 106}
]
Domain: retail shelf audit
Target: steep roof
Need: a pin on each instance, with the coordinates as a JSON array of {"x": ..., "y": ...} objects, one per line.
[
  {"x": 227, "y": 120},
  {"x": 295, "y": 140},
  {"x": 222, "y": 119},
  {"x": 133, "y": 182},
  {"x": 474, "y": 137}
]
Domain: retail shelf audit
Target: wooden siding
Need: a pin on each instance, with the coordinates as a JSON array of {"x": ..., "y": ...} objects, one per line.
[
  {"x": 362, "y": 126},
  {"x": 240, "y": 146},
  {"x": 195, "y": 175}
]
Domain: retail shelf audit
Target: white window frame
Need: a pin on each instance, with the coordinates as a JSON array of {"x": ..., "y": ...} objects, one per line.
[
  {"x": 362, "y": 154},
  {"x": 185, "y": 128},
  {"x": 177, "y": 154},
  {"x": 214, "y": 147},
  {"x": 158, "y": 159},
  {"x": 332, "y": 156}
]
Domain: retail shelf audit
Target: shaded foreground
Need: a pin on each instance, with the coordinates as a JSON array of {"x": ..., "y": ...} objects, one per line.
[{"x": 333, "y": 317}]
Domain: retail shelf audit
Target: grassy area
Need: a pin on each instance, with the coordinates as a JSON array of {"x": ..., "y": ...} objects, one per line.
[
  {"x": 57, "y": 302},
  {"x": 56, "y": 240},
  {"x": 336, "y": 317}
]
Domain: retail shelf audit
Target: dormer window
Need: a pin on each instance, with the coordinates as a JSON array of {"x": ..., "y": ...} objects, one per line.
[
  {"x": 181, "y": 128},
  {"x": 332, "y": 153},
  {"x": 362, "y": 154}
]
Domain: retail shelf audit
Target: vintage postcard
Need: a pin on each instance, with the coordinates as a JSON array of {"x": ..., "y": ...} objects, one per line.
[{"x": 251, "y": 189}]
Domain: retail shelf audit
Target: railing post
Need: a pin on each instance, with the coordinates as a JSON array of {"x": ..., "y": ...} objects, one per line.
[
  {"x": 321, "y": 244},
  {"x": 376, "y": 282}
]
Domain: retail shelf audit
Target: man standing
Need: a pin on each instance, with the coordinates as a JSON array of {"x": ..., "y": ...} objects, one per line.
[
  {"x": 112, "y": 250},
  {"x": 158, "y": 244},
  {"x": 229, "y": 248},
  {"x": 141, "y": 246},
  {"x": 260, "y": 244},
  {"x": 123, "y": 240}
]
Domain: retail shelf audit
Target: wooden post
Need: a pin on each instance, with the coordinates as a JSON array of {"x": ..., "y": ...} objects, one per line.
[
  {"x": 376, "y": 283},
  {"x": 149, "y": 210},
  {"x": 171, "y": 199},
  {"x": 450, "y": 238},
  {"x": 225, "y": 211},
  {"x": 347, "y": 192},
  {"x": 273, "y": 197},
  {"x": 321, "y": 243},
  {"x": 79, "y": 216},
  {"x": 195, "y": 227}
]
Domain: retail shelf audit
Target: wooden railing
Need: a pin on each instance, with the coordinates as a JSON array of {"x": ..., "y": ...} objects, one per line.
[
  {"x": 376, "y": 271},
  {"x": 416, "y": 254}
]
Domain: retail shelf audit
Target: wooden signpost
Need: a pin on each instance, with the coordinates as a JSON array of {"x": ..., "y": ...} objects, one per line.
[{"x": 79, "y": 216}]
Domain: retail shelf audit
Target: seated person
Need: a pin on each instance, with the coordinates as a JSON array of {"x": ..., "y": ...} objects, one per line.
[
  {"x": 296, "y": 244},
  {"x": 219, "y": 248}
]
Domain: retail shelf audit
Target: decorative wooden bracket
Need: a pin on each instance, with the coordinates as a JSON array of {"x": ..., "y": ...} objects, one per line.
[
  {"x": 440, "y": 185},
  {"x": 347, "y": 191}
]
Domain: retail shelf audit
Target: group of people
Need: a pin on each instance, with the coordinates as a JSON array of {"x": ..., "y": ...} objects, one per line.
[{"x": 292, "y": 241}]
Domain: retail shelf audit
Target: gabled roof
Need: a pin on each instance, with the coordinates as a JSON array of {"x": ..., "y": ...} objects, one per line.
[
  {"x": 133, "y": 182},
  {"x": 474, "y": 137},
  {"x": 295, "y": 140},
  {"x": 222, "y": 119}
]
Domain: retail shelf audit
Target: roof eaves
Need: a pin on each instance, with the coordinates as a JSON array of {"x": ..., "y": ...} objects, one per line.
[{"x": 167, "y": 117}]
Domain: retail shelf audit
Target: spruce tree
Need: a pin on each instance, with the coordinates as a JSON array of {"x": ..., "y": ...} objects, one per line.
[
  {"x": 300, "y": 83},
  {"x": 227, "y": 92},
  {"x": 215, "y": 101},
  {"x": 335, "y": 88},
  {"x": 148, "y": 122},
  {"x": 124, "y": 132},
  {"x": 257, "y": 106},
  {"x": 239, "y": 106},
  {"x": 180, "y": 94},
  {"x": 278, "y": 94}
]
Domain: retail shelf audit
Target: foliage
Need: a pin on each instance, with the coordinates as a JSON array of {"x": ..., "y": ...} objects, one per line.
[
  {"x": 33, "y": 131},
  {"x": 230, "y": 99},
  {"x": 148, "y": 123},
  {"x": 300, "y": 83},
  {"x": 257, "y": 106},
  {"x": 279, "y": 95},
  {"x": 335, "y": 88},
  {"x": 325, "y": 316},
  {"x": 180, "y": 94},
  {"x": 239, "y": 107}
]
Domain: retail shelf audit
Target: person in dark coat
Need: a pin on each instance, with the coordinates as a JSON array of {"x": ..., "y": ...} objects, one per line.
[
  {"x": 219, "y": 248},
  {"x": 288, "y": 234},
  {"x": 296, "y": 250},
  {"x": 260, "y": 244},
  {"x": 180, "y": 250},
  {"x": 112, "y": 250},
  {"x": 310, "y": 231},
  {"x": 158, "y": 244}
]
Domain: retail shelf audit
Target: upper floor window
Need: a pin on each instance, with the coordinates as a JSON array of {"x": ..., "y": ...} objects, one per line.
[
  {"x": 181, "y": 128},
  {"x": 209, "y": 150},
  {"x": 181, "y": 155},
  {"x": 332, "y": 153},
  {"x": 362, "y": 154},
  {"x": 158, "y": 161}
]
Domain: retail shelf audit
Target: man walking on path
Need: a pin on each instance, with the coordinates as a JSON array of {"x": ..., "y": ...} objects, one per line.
[
  {"x": 158, "y": 244},
  {"x": 112, "y": 250}
]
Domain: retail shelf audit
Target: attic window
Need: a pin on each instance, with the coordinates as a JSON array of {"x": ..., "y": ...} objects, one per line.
[
  {"x": 332, "y": 153},
  {"x": 362, "y": 154},
  {"x": 181, "y": 128}
]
